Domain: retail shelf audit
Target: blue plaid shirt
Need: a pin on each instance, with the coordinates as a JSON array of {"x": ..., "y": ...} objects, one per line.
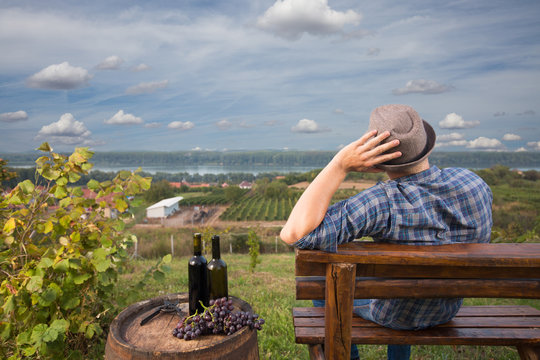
[{"x": 433, "y": 207}]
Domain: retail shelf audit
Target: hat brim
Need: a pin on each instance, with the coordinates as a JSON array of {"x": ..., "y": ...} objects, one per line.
[{"x": 431, "y": 137}]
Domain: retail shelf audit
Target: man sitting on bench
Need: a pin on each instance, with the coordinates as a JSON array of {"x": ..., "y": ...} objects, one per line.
[{"x": 419, "y": 205}]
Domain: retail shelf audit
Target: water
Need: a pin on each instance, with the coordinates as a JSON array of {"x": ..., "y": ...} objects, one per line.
[{"x": 210, "y": 169}]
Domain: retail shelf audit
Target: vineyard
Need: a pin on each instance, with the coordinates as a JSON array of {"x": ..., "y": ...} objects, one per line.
[{"x": 259, "y": 207}]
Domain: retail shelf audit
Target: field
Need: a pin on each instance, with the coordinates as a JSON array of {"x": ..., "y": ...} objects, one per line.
[{"x": 270, "y": 291}]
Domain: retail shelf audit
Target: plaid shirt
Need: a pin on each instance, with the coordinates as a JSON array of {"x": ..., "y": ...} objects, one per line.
[{"x": 433, "y": 207}]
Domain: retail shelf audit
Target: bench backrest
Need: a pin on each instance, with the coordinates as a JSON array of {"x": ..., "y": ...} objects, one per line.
[{"x": 405, "y": 271}]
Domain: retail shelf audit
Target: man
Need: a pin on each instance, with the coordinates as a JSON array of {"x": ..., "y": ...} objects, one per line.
[{"x": 419, "y": 205}]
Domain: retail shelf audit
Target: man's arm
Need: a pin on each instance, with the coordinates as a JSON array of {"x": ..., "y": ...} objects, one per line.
[{"x": 360, "y": 155}]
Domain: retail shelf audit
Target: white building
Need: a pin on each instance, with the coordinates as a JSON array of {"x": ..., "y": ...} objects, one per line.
[{"x": 163, "y": 208}]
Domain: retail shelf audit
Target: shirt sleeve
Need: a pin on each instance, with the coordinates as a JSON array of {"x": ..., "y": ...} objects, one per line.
[{"x": 364, "y": 214}]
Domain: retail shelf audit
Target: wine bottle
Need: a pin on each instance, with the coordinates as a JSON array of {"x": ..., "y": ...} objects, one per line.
[
  {"x": 197, "y": 278},
  {"x": 217, "y": 273}
]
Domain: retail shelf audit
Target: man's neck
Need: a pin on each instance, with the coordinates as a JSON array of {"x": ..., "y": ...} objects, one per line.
[{"x": 423, "y": 166}]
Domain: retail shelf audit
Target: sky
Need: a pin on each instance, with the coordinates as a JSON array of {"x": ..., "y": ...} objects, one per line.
[{"x": 265, "y": 74}]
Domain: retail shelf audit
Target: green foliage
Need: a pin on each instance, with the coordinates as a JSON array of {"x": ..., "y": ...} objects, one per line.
[
  {"x": 260, "y": 207},
  {"x": 158, "y": 191},
  {"x": 5, "y": 175},
  {"x": 233, "y": 193},
  {"x": 254, "y": 245},
  {"x": 60, "y": 257}
]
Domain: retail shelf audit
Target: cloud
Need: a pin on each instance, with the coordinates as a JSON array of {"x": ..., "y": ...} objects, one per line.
[
  {"x": 147, "y": 87},
  {"x": 66, "y": 131},
  {"x": 534, "y": 145},
  {"x": 140, "y": 67},
  {"x": 484, "y": 143},
  {"x": 422, "y": 86},
  {"x": 521, "y": 149},
  {"x": 271, "y": 123},
  {"x": 224, "y": 124},
  {"x": 373, "y": 52},
  {"x": 339, "y": 112},
  {"x": 14, "y": 116},
  {"x": 181, "y": 125},
  {"x": 511, "y": 137},
  {"x": 527, "y": 113},
  {"x": 120, "y": 118},
  {"x": 451, "y": 143},
  {"x": 111, "y": 63},
  {"x": 455, "y": 121},
  {"x": 452, "y": 136},
  {"x": 499, "y": 113},
  {"x": 59, "y": 77},
  {"x": 152, "y": 125},
  {"x": 290, "y": 19},
  {"x": 307, "y": 126}
]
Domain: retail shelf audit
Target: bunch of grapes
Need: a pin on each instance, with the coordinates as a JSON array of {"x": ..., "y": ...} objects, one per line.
[{"x": 218, "y": 318}]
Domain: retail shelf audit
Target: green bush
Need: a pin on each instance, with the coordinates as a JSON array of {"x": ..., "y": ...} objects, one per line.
[{"x": 60, "y": 256}]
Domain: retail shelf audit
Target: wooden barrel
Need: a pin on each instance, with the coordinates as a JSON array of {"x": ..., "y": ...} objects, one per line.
[{"x": 127, "y": 339}]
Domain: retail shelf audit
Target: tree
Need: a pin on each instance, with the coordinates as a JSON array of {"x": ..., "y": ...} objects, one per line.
[
  {"x": 158, "y": 191},
  {"x": 60, "y": 256}
]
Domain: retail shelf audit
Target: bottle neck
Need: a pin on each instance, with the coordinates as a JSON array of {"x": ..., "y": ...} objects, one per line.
[
  {"x": 197, "y": 244},
  {"x": 216, "y": 254}
]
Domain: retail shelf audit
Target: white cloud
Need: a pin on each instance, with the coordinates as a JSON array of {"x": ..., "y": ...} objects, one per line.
[
  {"x": 14, "y": 116},
  {"x": 224, "y": 124},
  {"x": 292, "y": 18},
  {"x": 181, "y": 125},
  {"x": 521, "y": 149},
  {"x": 511, "y": 137},
  {"x": 147, "y": 87},
  {"x": 140, "y": 67},
  {"x": 451, "y": 143},
  {"x": 111, "y": 63},
  {"x": 422, "y": 86},
  {"x": 66, "y": 131},
  {"x": 339, "y": 112},
  {"x": 271, "y": 123},
  {"x": 452, "y": 136},
  {"x": 534, "y": 145},
  {"x": 307, "y": 126},
  {"x": 59, "y": 77},
  {"x": 455, "y": 121},
  {"x": 120, "y": 118},
  {"x": 373, "y": 52},
  {"x": 485, "y": 144},
  {"x": 152, "y": 125}
]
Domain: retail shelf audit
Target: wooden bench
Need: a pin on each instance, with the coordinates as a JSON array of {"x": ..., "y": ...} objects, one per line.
[{"x": 366, "y": 270}]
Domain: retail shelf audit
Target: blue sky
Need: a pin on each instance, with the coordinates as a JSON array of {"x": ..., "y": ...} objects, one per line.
[{"x": 257, "y": 74}]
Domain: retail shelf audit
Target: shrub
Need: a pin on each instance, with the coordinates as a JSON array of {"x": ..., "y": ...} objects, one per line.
[{"x": 60, "y": 256}]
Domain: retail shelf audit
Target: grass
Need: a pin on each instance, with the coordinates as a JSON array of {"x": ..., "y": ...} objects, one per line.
[{"x": 271, "y": 293}]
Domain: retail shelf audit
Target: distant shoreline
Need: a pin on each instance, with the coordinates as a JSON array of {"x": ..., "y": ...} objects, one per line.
[{"x": 256, "y": 162}]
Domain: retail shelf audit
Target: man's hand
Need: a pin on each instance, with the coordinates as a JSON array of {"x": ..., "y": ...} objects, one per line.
[
  {"x": 360, "y": 155},
  {"x": 363, "y": 154}
]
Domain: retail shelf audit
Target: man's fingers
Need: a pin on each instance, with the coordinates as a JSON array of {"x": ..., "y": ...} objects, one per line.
[{"x": 366, "y": 137}]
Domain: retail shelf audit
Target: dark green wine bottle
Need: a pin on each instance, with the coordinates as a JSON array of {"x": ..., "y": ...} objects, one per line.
[
  {"x": 197, "y": 278},
  {"x": 217, "y": 273}
]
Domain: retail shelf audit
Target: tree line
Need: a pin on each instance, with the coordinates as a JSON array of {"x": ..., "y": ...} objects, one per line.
[{"x": 475, "y": 160}]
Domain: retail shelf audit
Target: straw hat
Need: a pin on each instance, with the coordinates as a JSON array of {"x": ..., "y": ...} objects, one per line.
[{"x": 416, "y": 136}]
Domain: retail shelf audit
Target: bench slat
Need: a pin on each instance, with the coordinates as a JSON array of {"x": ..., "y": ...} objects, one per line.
[
  {"x": 433, "y": 336},
  {"x": 469, "y": 311},
  {"x": 508, "y": 325},
  {"x": 492, "y": 255},
  {"x": 459, "y": 322},
  {"x": 303, "y": 267},
  {"x": 308, "y": 288}
]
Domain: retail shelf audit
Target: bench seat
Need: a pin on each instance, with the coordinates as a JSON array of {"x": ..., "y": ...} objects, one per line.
[{"x": 473, "y": 325}]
